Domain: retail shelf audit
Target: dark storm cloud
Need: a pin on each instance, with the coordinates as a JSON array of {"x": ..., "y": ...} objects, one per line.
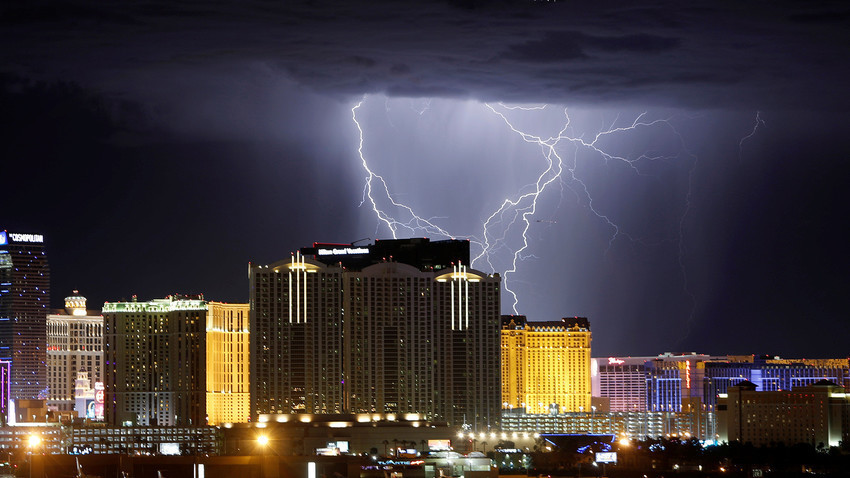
[
  {"x": 553, "y": 47},
  {"x": 560, "y": 46},
  {"x": 197, "y": 136},
  {"x": 697, "y": 53}
]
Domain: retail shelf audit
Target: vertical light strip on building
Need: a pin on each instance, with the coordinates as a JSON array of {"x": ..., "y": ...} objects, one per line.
[
  {"x": 298, "y": 287},
  {"x": 459, "y": 277},
  {"x": 299, "y": 264},
  {"x": 454, "y": 270},
  {"x": 455, "y": 280},
  {"x": 291, "y": 266},
  {"x": 466, "y": 296}
]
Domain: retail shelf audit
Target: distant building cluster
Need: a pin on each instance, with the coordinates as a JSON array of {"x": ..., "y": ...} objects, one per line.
[{"x": 377, "y": 339}]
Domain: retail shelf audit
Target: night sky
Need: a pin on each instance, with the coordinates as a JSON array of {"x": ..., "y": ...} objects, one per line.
[{"x": 701, "y": 203}]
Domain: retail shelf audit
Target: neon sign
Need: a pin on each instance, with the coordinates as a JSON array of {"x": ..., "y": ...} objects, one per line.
[
  {"x": 16, "y": 237},
  {"x": 342, "y": 251},
  {"x": 615, "y": 361}
]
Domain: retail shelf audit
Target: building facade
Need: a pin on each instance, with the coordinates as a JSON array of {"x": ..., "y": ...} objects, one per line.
[
  {"x": 546, "y": 365},
  {"x": 397, "y": 327},
  {"x": 140, "y": 440},
  {"x": 767, "y": 373},
  {"x": 154, "y": 353},
  {"x": 815, "y": 414},
  {"x": 771, "y": 373},
  {"x": 629, "y": 424},
  {"x": 74, "y": 344},
  {"x": 674, "y": 380},
  {"x": 622, "y": 380},
  {"x": 667, "y": 383},
  {"x": 157, "y": 367},
  {"x": 24, "y": 304},
  {"x": 228, "y": 342}
]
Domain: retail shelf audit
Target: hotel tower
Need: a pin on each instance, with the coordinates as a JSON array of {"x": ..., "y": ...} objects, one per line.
[
  {"x": 396, "y": 327},
  {"x": 546, "y": 365},
  {"x": 24, "y": 304},
  {"x": 178, "y": 361}
]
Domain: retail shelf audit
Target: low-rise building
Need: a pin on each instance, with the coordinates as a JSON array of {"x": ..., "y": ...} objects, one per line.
[
  {"x": 816, "y": 414},
  {"x": 631, "y": 424}
]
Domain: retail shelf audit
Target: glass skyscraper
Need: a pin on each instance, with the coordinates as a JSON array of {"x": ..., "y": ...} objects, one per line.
[{"x": 24, "y": 305}]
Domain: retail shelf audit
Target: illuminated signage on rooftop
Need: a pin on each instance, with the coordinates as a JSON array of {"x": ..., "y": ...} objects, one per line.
[
  {"x": 156, "y": 305},
  {"x": 6, "y": 237},
  {"x": 342, "y": 251},
  {"x": 615, "y": 361},
  {"x": 401, "y": 462}
]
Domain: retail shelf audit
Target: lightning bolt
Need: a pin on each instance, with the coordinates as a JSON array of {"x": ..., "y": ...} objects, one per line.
[
  {"x": 524, "y": 206},
  {"x": 513, "y": 217},
  {"x": 376, "y": 185},
  {"x": 759, "y": 122}
]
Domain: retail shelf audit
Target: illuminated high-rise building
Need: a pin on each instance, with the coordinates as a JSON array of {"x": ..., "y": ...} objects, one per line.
[
  {"x": 158, "y": 366},
  {"x": 227, "y": 367},
  {"x": 24, "y": 303},
  {"x": 74, "y": 344},
  {"x": 622, "y": 381},
  {"x": 401, "y": 326},
  {"x": 546, "y": 365},
  {"x": 674, "y": 382},
  {"x": 664, "y": 383}
]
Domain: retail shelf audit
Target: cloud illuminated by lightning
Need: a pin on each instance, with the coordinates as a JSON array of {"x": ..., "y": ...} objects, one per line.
[{"x": 504, "y": 233}]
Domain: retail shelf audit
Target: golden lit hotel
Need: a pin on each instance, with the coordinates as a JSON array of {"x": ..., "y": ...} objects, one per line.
[
  {"x": 546, "y": 365},
  {"x": 228, "y": 347}
]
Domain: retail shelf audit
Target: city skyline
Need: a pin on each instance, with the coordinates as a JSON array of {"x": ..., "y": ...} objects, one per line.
[{"x": 161, "y": 152}]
